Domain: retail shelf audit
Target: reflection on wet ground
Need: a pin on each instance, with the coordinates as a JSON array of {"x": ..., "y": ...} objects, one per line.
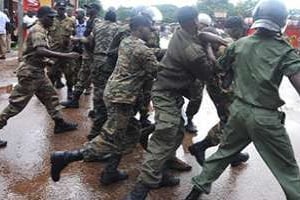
[{"x": 24, "y": 164}]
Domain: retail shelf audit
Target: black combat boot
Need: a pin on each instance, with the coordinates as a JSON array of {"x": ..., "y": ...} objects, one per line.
[
  {"x": 59, "y": 84},
  {"x": 198, "y": 150},
  {"x": 60, "y": 159},
  {"x": 145, "y": 133},
  {"x": 178, "y": 165},
  {"x": 111, "y": 174},
  {"x": 168, "y": 180},
  {"x": 190, "y": 127},
  {"x": 145, "y": 121},
  {"x": 70, "y": 93},
  {"x": 3, "y": 143},
  {"x": 239, "y": 159},
  {"x": 139, "y": 192},
  {"x": 73, "y": 102},
  {"x": 92, "y": 114},
  {"x": 194, "y": 194},
  {"x": 62, "y": 126}
]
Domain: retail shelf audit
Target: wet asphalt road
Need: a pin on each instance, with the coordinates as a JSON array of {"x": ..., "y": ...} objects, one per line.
[{"x": 24, "y": 163}]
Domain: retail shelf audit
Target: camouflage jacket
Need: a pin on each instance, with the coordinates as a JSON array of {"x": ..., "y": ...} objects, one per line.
[
  {"x": 136, "y": 64},
  {"x": 33, "y": 64},
  {"x": 103, "y": 33},
  {"x": 60, "y": 33}
]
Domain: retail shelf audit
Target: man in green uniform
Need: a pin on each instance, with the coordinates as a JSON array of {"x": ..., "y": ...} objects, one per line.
[
  {"x": 222, "y": 99},
  {"x": 32, "y": 79},
  {"x": 61, "y": 31},
  {"x": 136, "y": 64},
  {"x": 196, "y": 90},
  {"x": 259, "y": 63},
  {"x": 179, "y": 69}
]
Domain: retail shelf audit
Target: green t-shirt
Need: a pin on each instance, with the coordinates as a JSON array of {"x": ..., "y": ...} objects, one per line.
[{"x": 259, "y": 64}]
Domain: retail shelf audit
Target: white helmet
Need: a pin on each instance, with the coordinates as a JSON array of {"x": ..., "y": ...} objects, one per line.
[{"x": 204, "y": 19}]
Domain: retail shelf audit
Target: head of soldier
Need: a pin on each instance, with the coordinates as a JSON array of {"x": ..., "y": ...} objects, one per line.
[
  {"x": 110, "y": 16},
  {"x": 235, "y": 27},
  {"x": 60, "y": 7},
  {"x": 144, "y": 11},
  {"x": 204, "y": 20},
  {"x": 141, "y": 27},
  {"x": 46, "y": 16},
  {"x": 92, "y": 9},
  {"x": 270, "y": 16},
  {"x": 80, "y": 14},
  {"x": 188, "y": 19},
  {"x": 69, "y": 11}
]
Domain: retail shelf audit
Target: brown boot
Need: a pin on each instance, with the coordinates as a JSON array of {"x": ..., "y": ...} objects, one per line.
[{"x": 178, "y": 165}]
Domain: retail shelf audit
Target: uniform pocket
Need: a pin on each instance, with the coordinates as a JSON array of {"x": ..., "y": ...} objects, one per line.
[{"x": 267, "y": 118}]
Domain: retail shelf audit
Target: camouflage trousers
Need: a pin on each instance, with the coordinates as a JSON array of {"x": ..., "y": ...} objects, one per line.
[
  {"x": 68, "y": 67},
  {"x": 84, "y": 76},
  {"x": 114, "y": 137},
  {"x": 266, "y": 130},
  {"x": 195, "y": 98},
  {"x": 23, "y": 92},
  {"x": 167, "y": 137},
  {"x": 222, "y": 100},
  {"x": 101, "y": 71}
]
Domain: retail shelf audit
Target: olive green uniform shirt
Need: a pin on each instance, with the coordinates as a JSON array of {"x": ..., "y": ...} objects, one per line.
[
  {"x": 256, "y": 81},
  {"x": 184, "y": 61}
]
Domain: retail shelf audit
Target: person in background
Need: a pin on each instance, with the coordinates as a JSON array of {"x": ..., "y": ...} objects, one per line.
[
  {"x": 3, "y": 21},
  {"x": 9, "y": 30}
]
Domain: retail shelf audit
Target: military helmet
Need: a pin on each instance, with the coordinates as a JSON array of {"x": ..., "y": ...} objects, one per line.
[
  {"x": 270, "y": 14},
  {"x": 204, "y": 19}
]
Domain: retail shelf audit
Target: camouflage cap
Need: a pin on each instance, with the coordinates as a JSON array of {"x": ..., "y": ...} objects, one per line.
[
  {"x": 95, "y": 6},
  {"x": 46, "y": 11},
  {"x": 60, "y": 4}
]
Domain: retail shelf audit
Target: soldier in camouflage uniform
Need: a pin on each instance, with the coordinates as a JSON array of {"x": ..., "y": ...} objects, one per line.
[
  {"x": 61, "y": 31},
  {"x": 136, "y": 63},
  {"x": 179, "y": 69},
  {"x": 32, "y": 79},
  {"x": 222, "y": 99},
  {"x": 103, "y": 33},
  {"x": 84, "y": 76}
]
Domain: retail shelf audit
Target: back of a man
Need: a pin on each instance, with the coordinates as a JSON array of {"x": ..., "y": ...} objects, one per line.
[{"x": 265, "y": 71}]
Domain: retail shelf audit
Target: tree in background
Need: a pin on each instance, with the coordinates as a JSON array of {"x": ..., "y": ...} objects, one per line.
[
  {"x": 244, "y": 8},
  {"x": 169, "y": 12},
  {"x": 124, "y": 13},
  {"x": 211, "y": 6}
]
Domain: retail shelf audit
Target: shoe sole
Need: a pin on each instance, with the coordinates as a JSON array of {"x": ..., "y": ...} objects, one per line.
[{"x": 66, "y": 130}]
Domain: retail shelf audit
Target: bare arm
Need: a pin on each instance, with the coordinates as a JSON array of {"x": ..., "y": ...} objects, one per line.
[
  {"x": 295, "y": 80},
  {"x": 42, "y": 51},
  {"x": 212, "y": 38}
]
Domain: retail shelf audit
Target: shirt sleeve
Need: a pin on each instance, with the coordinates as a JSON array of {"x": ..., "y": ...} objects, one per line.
[
  {"x": 39, "y": 39},
  {"x": 226, "y": 60},
  {"x": 147, "y": 59},
  {"x": 197, "y": 62},
  {"x": 291, "y": 63}
]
